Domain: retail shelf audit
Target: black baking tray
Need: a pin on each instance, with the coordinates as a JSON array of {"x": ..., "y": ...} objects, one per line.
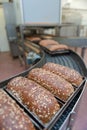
[
  {"x": 55, "y": 118},
  {"x": 71, "y": 60},
  {"x": 76, "y": 90},
  {"x": 37, "y": 127},
  {"x": 62, "y": 51}
]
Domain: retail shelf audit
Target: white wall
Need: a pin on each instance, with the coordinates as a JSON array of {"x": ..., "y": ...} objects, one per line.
[
  {"x": 75, "y": 4},
  {"x": 4, "y": 46},
  {"x": 75, "y": 11},
  {"x": 79, "y": 4}
]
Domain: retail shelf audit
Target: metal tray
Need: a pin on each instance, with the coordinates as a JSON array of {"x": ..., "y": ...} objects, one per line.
[
  {"x": 62, "y": 51},
  {"x": 63, "y": 105},
  {"x": 37, "y": 127},
  {"x": 76, "y": 90},
  {"x": 71, "y": 60},
  {"x": 55, "y": 121}
]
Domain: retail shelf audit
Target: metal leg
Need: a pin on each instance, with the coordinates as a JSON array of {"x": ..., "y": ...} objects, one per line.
[
  {"x": 75, "y": 49},
  {"x": 71, "y": 120},
  {"x": 83, "y": 52}
]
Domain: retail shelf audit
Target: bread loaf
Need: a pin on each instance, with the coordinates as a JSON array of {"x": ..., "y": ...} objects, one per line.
[
  {"x": 55, "y": 84},
  {"x": 40, "y": 101},
  {"x": 67, "y": 73},
  {"x": 11, "y": 115},
  {"x": 57, "y": 47},
  {"x": 44, "y": 43},
  {"x": 46, "y": 36},
  {"x": 33, "y": 39}
]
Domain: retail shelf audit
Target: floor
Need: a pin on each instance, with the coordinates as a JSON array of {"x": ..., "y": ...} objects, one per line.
[
  {"x": 78, "y": 51},
  {"x": 11, "y": 66},
  {"x": 85, "y": 56}
]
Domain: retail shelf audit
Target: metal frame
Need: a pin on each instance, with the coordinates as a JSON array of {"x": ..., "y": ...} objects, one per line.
[{"x": 69, "y": 122}]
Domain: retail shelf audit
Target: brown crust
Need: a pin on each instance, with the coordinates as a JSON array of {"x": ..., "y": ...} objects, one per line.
[
  {"x": 40, "y": 101},
  {"x": 33, "y": 39},
  {"x": 55, "y": 84},
  {"x": 57, "y": 47},
  {"x": 67, "y": 73},
  {"x": 11, "y": 116},
  {"x": 47, "y": 37},
  {"x": 44, "y": 43}
]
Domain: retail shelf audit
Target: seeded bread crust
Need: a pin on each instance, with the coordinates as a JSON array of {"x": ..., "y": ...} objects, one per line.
[
  {"x": 40, "y": 101},
  {"x": 11, "y": 116},
  {"x": 67, "y": 73},
  {"x": 55, "y": 84}
]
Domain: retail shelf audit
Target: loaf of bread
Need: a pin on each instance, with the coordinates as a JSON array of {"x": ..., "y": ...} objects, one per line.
[
  {"x": 47, "y": 37},
  {"x": 33, "y": 39},
  {"x": 57, "y": 47},
  {"x": 12, "y": 117},
  {"x": 40, "y": 101},
  {"x": 55, "y": 84},
  {"x": 47, "y": 42},
  {"x": 52, "y": 45},
  {"x": 67, "y": 73}
]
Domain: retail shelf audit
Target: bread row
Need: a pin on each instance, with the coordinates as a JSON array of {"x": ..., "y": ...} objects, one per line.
[
  {"x": 52, "y": 45},
  {"x": 37, "y": 92},
  {"x": 49, "y": 44}
]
